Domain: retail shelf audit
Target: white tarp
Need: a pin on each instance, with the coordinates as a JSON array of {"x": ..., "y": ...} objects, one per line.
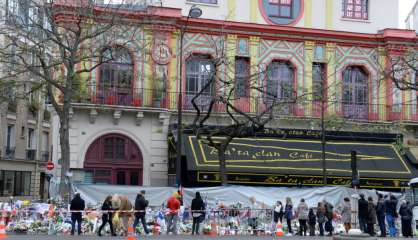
[{"x": 95, "y": 194}]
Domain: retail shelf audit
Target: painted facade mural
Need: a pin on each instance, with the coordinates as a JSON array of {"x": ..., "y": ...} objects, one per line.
[{"x": 155, "y": 59}]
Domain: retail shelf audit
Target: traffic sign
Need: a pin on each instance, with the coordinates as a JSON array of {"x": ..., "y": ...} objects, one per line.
[{"x": 50, "y": 165}]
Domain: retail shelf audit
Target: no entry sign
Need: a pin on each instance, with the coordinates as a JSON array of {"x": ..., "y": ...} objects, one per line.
[{"x": 50, "y": 165}]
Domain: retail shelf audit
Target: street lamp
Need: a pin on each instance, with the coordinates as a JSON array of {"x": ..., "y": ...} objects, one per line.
[{"x": 194, "y": 12}]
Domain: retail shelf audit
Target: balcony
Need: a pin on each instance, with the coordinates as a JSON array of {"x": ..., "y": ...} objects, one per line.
[
  {"x": 30, "y": 154},
  {"x": 151, "y": 98},
  {"x": 45, "y": 156},
  {"x": 9, "y": 152},
  {"x": 136, "y": 97}
]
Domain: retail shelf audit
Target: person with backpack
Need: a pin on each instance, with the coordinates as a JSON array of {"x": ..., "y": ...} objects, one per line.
[
  {"x": 302, "y": 211},
  {"x": 198, "y": 211},
  {"x": 107, "y": 215},
  {"x": 320, "y": 216},
  {"x": 140, "y": 206},
  {"x": 311, "y": 222},
  {"x": 288, "y": 214}
]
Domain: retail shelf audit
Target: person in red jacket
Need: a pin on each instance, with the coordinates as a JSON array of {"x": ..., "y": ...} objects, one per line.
[{"x": 173, "y": 205}]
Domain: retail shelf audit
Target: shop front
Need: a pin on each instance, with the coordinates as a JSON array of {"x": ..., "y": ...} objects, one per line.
[{"x": 294, "y": 158}]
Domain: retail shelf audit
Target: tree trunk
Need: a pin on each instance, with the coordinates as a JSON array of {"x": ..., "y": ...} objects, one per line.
[
  {"x": 222, "y": 166},
  {"x": 65, "y": 152}
]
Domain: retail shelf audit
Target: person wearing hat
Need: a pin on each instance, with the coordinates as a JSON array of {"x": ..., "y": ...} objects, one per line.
[
  {"x": 140, "y": 206},
  {"x": 76, "y": 207}
]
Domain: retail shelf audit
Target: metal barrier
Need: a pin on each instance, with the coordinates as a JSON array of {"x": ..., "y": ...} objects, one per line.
[{"x": 219, "y": 221}]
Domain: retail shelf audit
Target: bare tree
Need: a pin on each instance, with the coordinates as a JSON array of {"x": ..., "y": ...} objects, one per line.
[{"x": 58, "y": 43}]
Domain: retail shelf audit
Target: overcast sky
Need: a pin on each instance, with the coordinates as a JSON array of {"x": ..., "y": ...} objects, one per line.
[{"x": 404, "y": 8}]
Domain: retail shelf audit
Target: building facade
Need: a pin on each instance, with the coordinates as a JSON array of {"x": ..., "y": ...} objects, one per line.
[
  {"x": 25, "y": 131},
  {"x": 120, "y": 126}
]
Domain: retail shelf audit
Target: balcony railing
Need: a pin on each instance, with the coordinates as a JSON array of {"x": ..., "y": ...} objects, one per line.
[
  {"x": 30, "y": 154},
  {"x": 151, "y": 98},
  {"x": 135, "y": 97},
  {"x": 9, "y": 152},
  {"x": 45, "y": 156}
]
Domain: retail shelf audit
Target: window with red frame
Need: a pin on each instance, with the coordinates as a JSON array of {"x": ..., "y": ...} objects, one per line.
[
  {"x": 242, "y": 77},
  {"x": 356, "y": 9},
  {"x": 284, "y": 8}
]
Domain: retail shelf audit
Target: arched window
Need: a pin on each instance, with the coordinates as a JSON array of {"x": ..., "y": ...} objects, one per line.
[
  {"x": 116, "y": 75},
  {"x": 355, "y": 93}
]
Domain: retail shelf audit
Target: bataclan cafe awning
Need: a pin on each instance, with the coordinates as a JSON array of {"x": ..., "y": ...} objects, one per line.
[{"x": 278, "y": 161}]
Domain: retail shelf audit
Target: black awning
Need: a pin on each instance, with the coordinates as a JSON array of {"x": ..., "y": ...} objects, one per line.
[{"x": 300, "y": 157}]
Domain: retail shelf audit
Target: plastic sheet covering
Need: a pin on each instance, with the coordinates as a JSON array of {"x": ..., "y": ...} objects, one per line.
[{"x": 95, "y": 194}]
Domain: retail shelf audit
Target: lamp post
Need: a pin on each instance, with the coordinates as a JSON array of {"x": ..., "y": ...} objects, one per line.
[{"x": 194, "y": 12}]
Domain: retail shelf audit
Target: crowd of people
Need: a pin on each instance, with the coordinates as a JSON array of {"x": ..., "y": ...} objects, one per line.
[
  {"x": 384, "y": 212},
  {"x": 311, "y": 219}
]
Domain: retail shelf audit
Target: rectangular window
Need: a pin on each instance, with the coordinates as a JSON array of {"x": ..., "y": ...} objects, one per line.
[
  {"x": 199, "y": 71},
  {"x": 45, "y": 141},
  {"x": 45, "y": 146},
  {"x": 356, "y": 9},
  {"x": 281, "y": 8},
  {"x": 31, "y": 138},
  {"x": 242, "y": 77},
  {"x": 318, "y": 79},
  {"x": 204, "y": 1},
  {"x": 319, "y": 53},
  {"x": 15, "y": 183},
  {"x": 10, "y": 136},
  {"x": 397, "y": 99}
]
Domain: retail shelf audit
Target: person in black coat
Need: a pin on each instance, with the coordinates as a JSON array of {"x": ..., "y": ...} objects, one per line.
[
  {"x": 140, "y": 205},
  {"x": 380, "y": 213},
  {"x": 77, "y": 205},
  {"x": 363, "y": 206},
  {"x": 198, "y": 210},
  {"x": 107, "y": 216},
  {"x": 405, "y": 212},
  {"x": 312, "y": 222},
  {"x": 371, "y": 219}
]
